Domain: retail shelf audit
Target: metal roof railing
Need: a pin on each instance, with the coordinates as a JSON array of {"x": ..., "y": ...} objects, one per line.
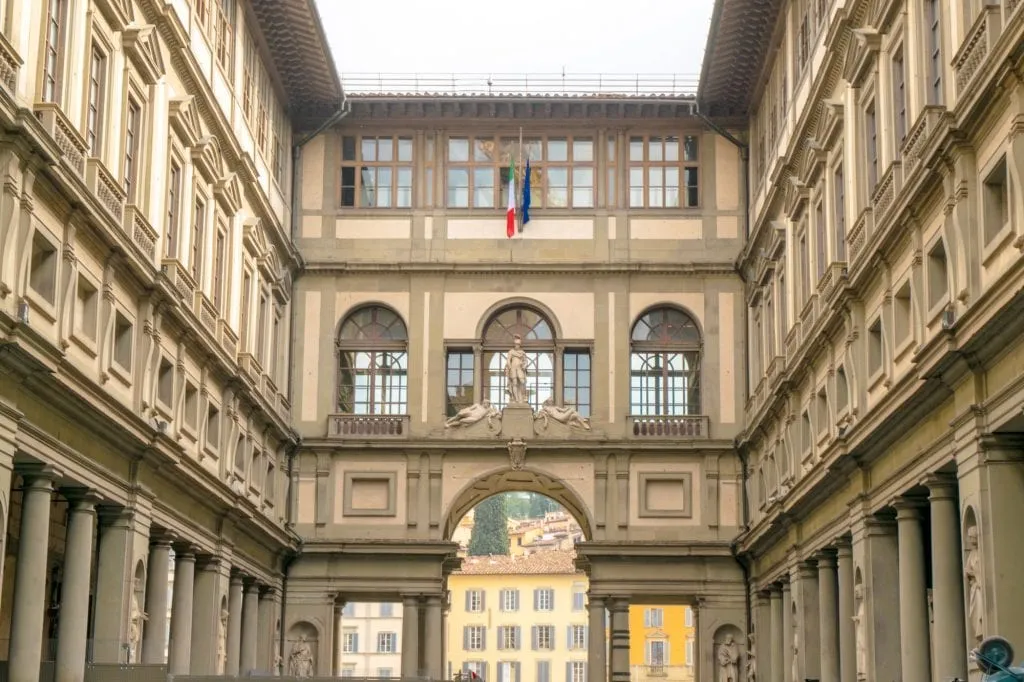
[{"x": 521, "y": 84}]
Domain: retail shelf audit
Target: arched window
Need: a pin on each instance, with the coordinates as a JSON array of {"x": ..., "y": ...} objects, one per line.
[
  {"x": 539, "y": 343},
  {"x": 373, "y": 363},
  {"x": 664, "y": 366}
]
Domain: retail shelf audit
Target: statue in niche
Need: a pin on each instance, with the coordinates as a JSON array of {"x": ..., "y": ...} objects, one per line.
[
  {"x": 752, "y": 658},
  {"x": 563, "y": 415},
  {"x": 474, "y": 413},
  {"x": 972, "y": 571},
  {"x": 136, "y": 617},
  {"x": 729, "y": 659},
  {"x": 515, "y": 372},
  {"x": 860, "y": 632},
  {"x": 222, "y": 642},
  {"x": 278, "y": 665},
  {"x": 796, "y": 654},
  {"x": 300, "y": 660}
]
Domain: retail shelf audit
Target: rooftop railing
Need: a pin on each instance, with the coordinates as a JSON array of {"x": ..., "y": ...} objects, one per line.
[{"x": 521, "y": 84}]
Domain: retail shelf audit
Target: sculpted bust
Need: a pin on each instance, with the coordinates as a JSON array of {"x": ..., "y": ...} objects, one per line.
[
  {"x": 563, "y": 415},
  {"x": 474, "y": 413}
]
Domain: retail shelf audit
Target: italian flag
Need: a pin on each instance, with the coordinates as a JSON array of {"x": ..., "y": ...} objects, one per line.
[{"x": 510, "y": 214}]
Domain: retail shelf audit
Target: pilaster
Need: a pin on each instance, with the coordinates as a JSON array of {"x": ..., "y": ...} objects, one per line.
[
  {"x": 875, "y": 553},
  {"x": 114, "y": 583}
]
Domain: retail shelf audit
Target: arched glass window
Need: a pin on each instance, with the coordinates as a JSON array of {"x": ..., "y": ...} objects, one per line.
[
  {"x": 373, "y": 363},
  {"x": 664, "y": 366},
  {"x": 538, "y": 342}
]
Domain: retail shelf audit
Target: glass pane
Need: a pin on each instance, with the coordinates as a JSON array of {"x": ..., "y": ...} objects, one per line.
[
  {"x": 428, "y": 147},
  {"x": 367, "y": 196},
  {"x": 557, "y": 190},
  {"x": 655, "y": 187},
  {"x": 654, "y": 149},
  {"x": 611, "y": 148},
  {"x": 583, "y": 187},
  {"x": 609, "y": 190},
  {"x": 405, "y": 149},
  {"x": 582, "y": 150},
  {"x": 483, "y": 187},
  {"x": 458, "y": 188},
  {"x": 672, "y": 148},
  {"x": 533, "y": 150},
  {"x": 368, "y": 151},
  {"x": 672, "y": 187},
  {"x": 458, "y": 149},
  {"x": 348, "y": 148},
  {"x": 692, "y": 187},
  {"x": 690, "y": 148},
  {"x": 385, "y": 149},
  {"x": 383, "y": 188},
  {"x": 403, "y": 199},
  {"x": 558, "y": 150},
  {"x": 348, "y": 185},
  {"x": 636, "y": 149},
  {"x": 483, "y": 149},
  {"x": 636, "y": 187}
]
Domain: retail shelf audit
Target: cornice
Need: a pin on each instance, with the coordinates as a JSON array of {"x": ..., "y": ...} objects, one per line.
[{"x": 586, "y": 269}]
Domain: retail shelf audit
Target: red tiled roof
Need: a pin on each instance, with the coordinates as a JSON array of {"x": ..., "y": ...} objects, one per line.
[{"x": 540, "y": 563}]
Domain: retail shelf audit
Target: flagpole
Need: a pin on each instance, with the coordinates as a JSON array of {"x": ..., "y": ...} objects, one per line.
[{"x": 519, "y": 213}]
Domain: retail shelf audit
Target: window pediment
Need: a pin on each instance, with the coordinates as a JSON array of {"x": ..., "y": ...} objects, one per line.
[
  {"x": 861, "y": 54},
  {"x": 184, "y": 120},
  {"x": 796, "y": 197},
  {"x": 116, "y": 12},
  {"x": 141, "y": 44},
  {"x": 228, "y": 193},
  {"x": 207, "y": 157}
]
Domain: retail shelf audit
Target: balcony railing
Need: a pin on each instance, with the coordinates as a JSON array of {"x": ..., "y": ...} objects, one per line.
[
  {"x": 10, "y": 65},
  {"x": 105, "y": 187},
  {"x": 368, "y": 426},
  {"x": 70, "y": 143},
  {"x": 178, "y": 276},
  {"x": 520, "y": 84},
  {"x": 206, "y": 312},
  {"x": 918, "y": 137},
  {"x": 668, "y": 427},
  {"x": 139, "y": 229},
  {"x": 976, "y": 47}
]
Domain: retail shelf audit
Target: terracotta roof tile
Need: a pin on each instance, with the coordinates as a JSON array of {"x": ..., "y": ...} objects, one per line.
[{"x": 539, "y": 563}]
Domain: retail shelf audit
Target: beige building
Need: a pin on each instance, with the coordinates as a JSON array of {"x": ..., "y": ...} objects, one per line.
[
  {"x": 370, "y": 640},
  {"x": 145, "y": 293},
  {"x": 883, "y": 300}
]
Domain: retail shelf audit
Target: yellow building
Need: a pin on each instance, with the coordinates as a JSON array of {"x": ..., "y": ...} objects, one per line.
[
  {"x": 516, "y": 618},
  {"x": 661, "y": 641}
]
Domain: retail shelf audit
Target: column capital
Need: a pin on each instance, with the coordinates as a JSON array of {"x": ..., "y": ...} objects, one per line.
[
  {"x": 209, "y": 562},
  {"x": 877, "y": 525},
  {"x": 160, "y": 538},
  {"x": 826, "y": 559},
  {"x": 805, "y": 569},
  {"x": 252, "y": 584},
  {"x": 237, "y": 579},
  {"x": 37, "y": 476},
  {"x": 844, "y": 547},
  {"x": 82, "y": 499},
  {"x": 269, "y": 592},
  {"x": 775, "y": 592},
  {"x": 940, "y": 486},
  {"x": 410, "y": 600},
  {"x": 596, "y": 600},
  {"x": 908, "y": 508},
  {"x": 115, "y": 516},
  {"x": 183, "y": 551},
  {"x": 433, "y": 600},
  {"x": 617, "y": 604}
]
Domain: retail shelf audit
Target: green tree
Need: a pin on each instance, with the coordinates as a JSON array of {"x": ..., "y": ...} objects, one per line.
[
  {"x": 490, "y": 528},
  {"x": 517, "y": 505},
  {"x": 540, "y": 505}
]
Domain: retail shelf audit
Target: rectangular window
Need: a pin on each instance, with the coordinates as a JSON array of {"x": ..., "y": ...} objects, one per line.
[
  {"x": 543, "y": 671},
  {"x": 97, "y": 99},
  {"x": 610, "y": 196},
  {"x": 875, "y": 347},
  {"x": 124, "y": 341},
  {"x": 688, "y": 618},
  {"x": 664, "y": 383},
  {"x": 899, "y": 98},
  {"x": 508, "y": 637},
  {"x": 376, "y": 172},
  {"x": 821, "y": 255},
  {"x": 938, "y": 282},
  {"x": 654, "y": 618},
  {"x": 805, "y": 269},
  {"x": 839, "y": 194},
  {"x": 131, "y": 148},
  {"x": 198, "y": 235},
  {"x": 384, "y": 673},
  {"x": 385, "y": 642},
  {"x": 218, "y": 271},
  {"x": 459, "y": 382},
  {"x": 474, "y": 601},
  {"x": 871, "y": 142},
  {"x": 996, "y": 200},
  {"x": 576, "y": 381},
  {"x": 544, "y": 637},
  {"x": 261, "y": 330},
  {"x": 902, "y": 308},
  {"x": 86, "y": 309},
  {"x": 578, "y": 637},
  {"x": 656, "y": 650},
  {"x": 544, "y": 599},
  {"x": 223, "y": 15},
  {"x": 577, "y": 671},
  {"x": 509, "y": 600},
  {"x": 387, "y": 609},
  {"x": 250, "y": 65},
  {"x": 173, "y": 207},
  {"x": 690, "y": 657},
  {"x": 579, "y": 598},
  {"x": 474, "y": 638},
  {"x": 53, "y": 59},
  {"x": 42, "y": 272},
  {"x": 934, "y": 18},
  {"x": 350, "y": 643},
  {"x": 191, "y": 408},
  {"x": 662, "y": 168},
  {"x": 374, "y": 382},
  {"x": 349, "y": 610},
  {"x": 244, "y": 315},
  {"x": 212, "y": 427}
]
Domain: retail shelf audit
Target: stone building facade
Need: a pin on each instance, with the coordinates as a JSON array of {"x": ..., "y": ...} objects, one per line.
[
  {"x": 883, "y": 277},
  {"x": 145, "y": 288}
]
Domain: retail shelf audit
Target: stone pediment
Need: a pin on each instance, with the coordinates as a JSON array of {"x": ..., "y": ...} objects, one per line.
[{"x": 514, "y": 421}]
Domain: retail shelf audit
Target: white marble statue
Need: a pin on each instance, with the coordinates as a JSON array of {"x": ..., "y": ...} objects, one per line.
[
  {"x": 975, "y": 591},
  {"x": 860, "y": 631},
  {"x": 515, "y": 372},
  {"x": 729, "y": 659},
  {"x": 563, "y": 415},
  {"x": 136, "y": 618},
  {"x": 222, "y": 642},
  {"x": 300, "y": 661},
  {"x": 474, "y": 413},
  {"x": 752, "y": 658},
  {"x": 796, "y": 654}
]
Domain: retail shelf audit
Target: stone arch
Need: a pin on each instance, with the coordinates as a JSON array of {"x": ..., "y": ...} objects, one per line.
[
  {"x": 518, "y": 302},
  {"x": 505, "y": 480},
  {"x": 303, "y": 639},
  {"x": 728, "y": 645}
]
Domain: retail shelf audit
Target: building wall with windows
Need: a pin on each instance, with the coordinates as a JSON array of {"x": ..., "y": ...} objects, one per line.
[
  {"x": 145, "y": 292},
  {"x": 883, "y": 307},
  {"x": 371, "y": 640},
  {"x": 519, "y": 618},
  {"x": 661, "y": 643}
]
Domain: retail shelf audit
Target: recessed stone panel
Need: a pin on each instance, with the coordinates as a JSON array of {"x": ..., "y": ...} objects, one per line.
[
  {"x": 369, "y": 494},
  {"x": 665, "y": 495}
]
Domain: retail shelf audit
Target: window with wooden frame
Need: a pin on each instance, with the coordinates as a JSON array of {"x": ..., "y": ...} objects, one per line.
[
  {"x": 611, "y": 173},
  {"x": 53, "y": 51},
  {"x": 376, "y": 172},
  {"x": 663, "y": 171},
  {"x": 261, "y": 328},
  {"x": 173, "y": 217},
  {"x": 373, "y": 363},
  {"x": 223, "y": 30},
  {"x": 664, "y": 368},
  {"x": 561, "y": 172},
  {"x": 899, "y": 99},
  {"x": 96, "y": 100},
  {"x": 202, "y": 12},
  {"x": 246, "y": 311},
  {"x": 219, "y": 279},
  {"x": 459, "y": 386},
  {"x": 871, "y": 147},
  {"x": 821, "y": 245},
  {"x": 277, "y": 353},
  {"x": 839, "y": 202},
  {"x": 130, "y": 169},
  {"x": 198, "y": 235},
  {"x": 805, "y": 265},
  {"x": 933, "y": 14},
  {"x": 428, "y": 171},
  {"x": 250, "y": 67}
]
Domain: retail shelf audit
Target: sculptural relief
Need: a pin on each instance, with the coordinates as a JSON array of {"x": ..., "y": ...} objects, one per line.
[
  {"x": 222, "y": 642},
  {"x": 475, "y": 413},
  {"x": 300, "y": 660},
  {"x": 137, "y": 616},
  {"x": 796, "y": 654},
  {"x": 517, "y": 454},
  {"x": 860, "y": 631},
  {"x": 515, "y": 373},
  {"x": 728, "y": 659},
  {"x": 975, "y": 591},
  {"x": 549, "y": 411},
  {"x": 752, "y": 658}
]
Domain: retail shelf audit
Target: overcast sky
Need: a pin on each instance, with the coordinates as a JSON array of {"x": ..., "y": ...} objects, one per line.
[{"x": 524, "y": 36}]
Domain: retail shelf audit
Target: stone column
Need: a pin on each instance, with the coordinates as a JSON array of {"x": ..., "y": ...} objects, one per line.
[
  {"x": 338, "y": 645},
  {"x": 788, "y": 627},
  {"x": 26, "y": 643},
  {"x": 410, "y": 635},
  {"x": 762, "y": 636},
  {"x": 828, "y": 616},
  {"x": 777, "y": 639},
  {"x": 267, "y": 647},
  {"x": 234, "y": 625},
  {"x": 915, "y": 653},
  {"x": 620, "y": 639},
  {"x": 432, "y": 638},
  {"x": 73, "y": 625},
  {"x": 597, "y": 665},
  {"x": 250, "y": 627},
  {"x": 882, "y": 596},
  {"x": 180, "y": 654},
  {"x": 947, "y": 581},
  {"x": 154, "y": 634},
  {"x": 805, "y": 595},
  {"x": 114, "y": 577},
  {"x": 206, "y": 608},
  {"x": 847, "y": 633}
]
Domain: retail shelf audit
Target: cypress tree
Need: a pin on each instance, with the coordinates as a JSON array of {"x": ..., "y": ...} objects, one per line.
[{"x": 490, "y": 528}]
